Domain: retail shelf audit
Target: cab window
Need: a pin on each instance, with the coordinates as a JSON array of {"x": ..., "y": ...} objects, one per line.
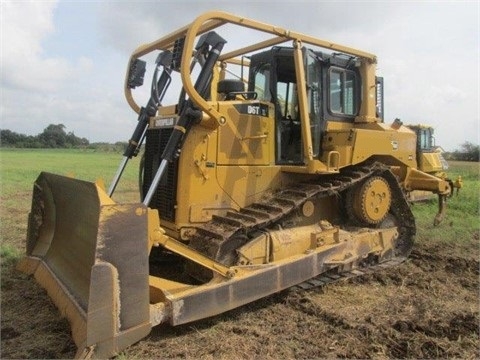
[
  {"x": 262, "y": 82},
  {"x": 342, "y": 96},
  {"x": 425, "y": 139}
]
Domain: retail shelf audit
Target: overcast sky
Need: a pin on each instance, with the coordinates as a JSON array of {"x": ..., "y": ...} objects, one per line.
[{"x": 65, "y": 61}]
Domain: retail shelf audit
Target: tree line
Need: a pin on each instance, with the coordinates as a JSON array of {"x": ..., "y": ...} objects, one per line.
[
  {"x": 53, "y": 136},
  {"x": 467, "y": 152}
]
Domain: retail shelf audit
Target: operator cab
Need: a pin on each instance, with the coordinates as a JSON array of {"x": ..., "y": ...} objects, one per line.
[
  {"x": 333, "y": 94},
  {"x": 425, "y": 138}
]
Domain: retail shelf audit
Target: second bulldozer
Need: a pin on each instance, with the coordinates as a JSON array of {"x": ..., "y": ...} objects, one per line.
[
  {"x": 431, "y": 161},
  {"x": 272, "y": 167}
]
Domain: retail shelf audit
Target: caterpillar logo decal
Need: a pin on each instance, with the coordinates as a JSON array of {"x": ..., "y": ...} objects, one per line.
[{"x": 253, "y": 109}]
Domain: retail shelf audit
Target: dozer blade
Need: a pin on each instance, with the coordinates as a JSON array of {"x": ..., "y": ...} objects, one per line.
[{"x": 91, "y": 255}]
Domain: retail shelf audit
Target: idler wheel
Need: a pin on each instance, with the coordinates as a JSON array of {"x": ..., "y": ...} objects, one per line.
[{"x": 371, "y": 200}]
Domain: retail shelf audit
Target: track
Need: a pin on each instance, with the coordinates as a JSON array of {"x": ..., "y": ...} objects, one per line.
[{"x": 220, "y": 237}]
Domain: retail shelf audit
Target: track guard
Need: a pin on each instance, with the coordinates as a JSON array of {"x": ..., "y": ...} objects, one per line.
[{"x": 91, "y": 255}]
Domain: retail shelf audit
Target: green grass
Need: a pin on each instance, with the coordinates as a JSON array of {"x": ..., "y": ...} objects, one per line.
[
  {"x": 9, "y": 254},
  {"x": 20, "y": 167},
  {"x": 462, "y": 220}
]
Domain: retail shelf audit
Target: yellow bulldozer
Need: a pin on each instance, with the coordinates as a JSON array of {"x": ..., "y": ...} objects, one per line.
[
  {"x": 431, "y": 161},
  {"x": 273, "y": 169}
]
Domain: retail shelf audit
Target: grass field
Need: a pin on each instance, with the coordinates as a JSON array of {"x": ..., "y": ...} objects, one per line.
[
  {"x": 20, "y": 168},
  {"x": 427, "y": 307}
]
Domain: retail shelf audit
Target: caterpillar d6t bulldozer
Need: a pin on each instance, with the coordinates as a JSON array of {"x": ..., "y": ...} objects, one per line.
[
  {"x": 431, "y": 161},
  {"x": 272, "y": 168}
]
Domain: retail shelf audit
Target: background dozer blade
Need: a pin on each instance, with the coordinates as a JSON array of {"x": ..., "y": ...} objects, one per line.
[{"x": 91, "y": 255}]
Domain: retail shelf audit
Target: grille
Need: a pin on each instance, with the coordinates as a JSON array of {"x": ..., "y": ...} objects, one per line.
[{"x": 165, "y": 196}]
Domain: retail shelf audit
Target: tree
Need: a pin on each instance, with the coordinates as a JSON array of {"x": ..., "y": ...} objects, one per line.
[
  {"x": 9, "y": 138},
  {"x": 467, "y": 152},
  {"x": 471, "y": 151},
  {"x": 74, "y": 141},
  {"x": 54, "y": 136}
]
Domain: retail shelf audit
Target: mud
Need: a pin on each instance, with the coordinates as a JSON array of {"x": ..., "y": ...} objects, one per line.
[{"x": 426, "y": 307}]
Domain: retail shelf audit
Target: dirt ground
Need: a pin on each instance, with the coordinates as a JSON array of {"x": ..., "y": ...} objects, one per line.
[{"x": 427, "y": 307}]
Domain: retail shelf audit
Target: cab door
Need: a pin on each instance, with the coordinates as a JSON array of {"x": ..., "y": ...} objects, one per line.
[{"x": 288, "y": 119}]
